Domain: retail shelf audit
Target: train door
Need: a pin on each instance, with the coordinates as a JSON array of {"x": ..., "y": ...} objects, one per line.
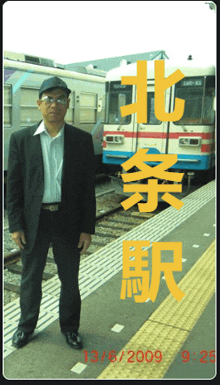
[
  {"x": 119, "y": 132},
  {"x": 154, "y": 134}
]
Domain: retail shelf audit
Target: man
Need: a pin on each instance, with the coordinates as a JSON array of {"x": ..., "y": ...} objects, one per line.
[{"x": 51, "y": 199}]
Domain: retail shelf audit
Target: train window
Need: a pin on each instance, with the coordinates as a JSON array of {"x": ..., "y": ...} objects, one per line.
[
  {"x": 69, "y": 118},
  {"x": 30, "y": 116},
  {"x": 208, "y": 116},
  {"x": 87, "y": 116},
  {"x": 88, "y": 107},
  {"x": 198, "y": 93},
  {"x": 88, "y": 99},
  {"x": 7, "y": 104},
  {"x": 29, "y": 96},
  {"x": 151, "y": 118},
  {"x": 119, "y": 95},
  {"x": 29, "y": 113}
]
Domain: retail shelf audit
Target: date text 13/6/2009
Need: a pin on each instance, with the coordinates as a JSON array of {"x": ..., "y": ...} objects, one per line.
[{"x": 130, "y": 355}]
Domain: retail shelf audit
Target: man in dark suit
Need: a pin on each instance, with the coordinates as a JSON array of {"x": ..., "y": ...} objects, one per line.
[{"x": 51, "y": 199}]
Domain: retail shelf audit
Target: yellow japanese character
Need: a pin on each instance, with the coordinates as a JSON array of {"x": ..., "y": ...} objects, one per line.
[
  {"x": 161, "y": 84},
  {"x": 134, "y": 266},
  {"x": 152, "y": 188}
]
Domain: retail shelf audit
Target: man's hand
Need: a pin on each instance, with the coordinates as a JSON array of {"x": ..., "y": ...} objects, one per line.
[
  {"x": 84, "y": 241},
  {"x": 19, "y": 238}
]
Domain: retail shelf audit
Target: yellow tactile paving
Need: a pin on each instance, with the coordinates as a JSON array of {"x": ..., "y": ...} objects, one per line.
[{"x": 168, "y": 327}]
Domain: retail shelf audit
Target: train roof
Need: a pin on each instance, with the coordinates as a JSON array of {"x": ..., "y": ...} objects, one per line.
[
  {"x": 90, "y": 69},
  {"x": 187, "y": 67},
  {"x": 53, "y": 71}
]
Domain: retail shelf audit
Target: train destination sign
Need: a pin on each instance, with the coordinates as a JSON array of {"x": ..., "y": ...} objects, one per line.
[
  {"x": 192, "y": 82},
  {"x": 117, "y": 86}
]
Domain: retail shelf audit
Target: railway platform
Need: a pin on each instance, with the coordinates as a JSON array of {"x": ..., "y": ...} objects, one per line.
[{"x": 123, "y": 339}]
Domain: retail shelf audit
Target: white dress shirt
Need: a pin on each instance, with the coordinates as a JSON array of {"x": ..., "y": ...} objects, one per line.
[{"x": 52, "y": 150}]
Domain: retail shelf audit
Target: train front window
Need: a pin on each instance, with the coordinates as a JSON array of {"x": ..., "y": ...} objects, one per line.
[
  {"x": 198, "y": 93},
  {"x": 119, "y": 95},
  {"x": 208, "y": 116}
]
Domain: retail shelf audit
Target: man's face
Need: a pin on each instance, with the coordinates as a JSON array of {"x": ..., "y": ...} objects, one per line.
[{"x": 53, "y": 112}]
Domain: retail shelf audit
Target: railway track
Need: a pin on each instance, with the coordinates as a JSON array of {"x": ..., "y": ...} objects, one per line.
[{"x": 111, "y": 222}]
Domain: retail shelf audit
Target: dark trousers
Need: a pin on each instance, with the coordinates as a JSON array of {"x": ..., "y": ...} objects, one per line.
[{"x": 52, "y": 229}]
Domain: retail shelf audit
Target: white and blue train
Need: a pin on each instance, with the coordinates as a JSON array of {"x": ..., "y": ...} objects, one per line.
[{"x": 192, "y": 137}]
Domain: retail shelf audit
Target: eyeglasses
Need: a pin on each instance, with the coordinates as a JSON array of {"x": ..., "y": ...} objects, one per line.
[{"x": 49, "y": 100}]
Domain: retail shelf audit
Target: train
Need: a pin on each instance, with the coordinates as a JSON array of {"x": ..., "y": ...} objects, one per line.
[
  {"x": 192, "y": 137},
  {"x": 23, "y": 76}
]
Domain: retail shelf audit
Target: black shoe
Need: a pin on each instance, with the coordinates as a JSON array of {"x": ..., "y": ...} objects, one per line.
[
  {"x": 20, "y": 339},
  {"x": 73, "y": 340}
]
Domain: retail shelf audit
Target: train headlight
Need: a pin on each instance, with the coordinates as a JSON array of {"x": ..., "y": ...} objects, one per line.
[
  {"x": 187, "y": 141},
  {"x": 114, "y": 139},
  {"x": 183, "y": 141}
]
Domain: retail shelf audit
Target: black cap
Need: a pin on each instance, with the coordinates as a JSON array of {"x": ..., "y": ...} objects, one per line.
[{"x": 51, "y": 83}]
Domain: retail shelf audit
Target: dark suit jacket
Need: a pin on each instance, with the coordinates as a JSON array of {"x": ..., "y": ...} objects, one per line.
[{"x": 25, "y": 184}]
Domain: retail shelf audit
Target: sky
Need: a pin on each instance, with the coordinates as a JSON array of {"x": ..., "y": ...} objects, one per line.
[{"x": 75, "y": 31}]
